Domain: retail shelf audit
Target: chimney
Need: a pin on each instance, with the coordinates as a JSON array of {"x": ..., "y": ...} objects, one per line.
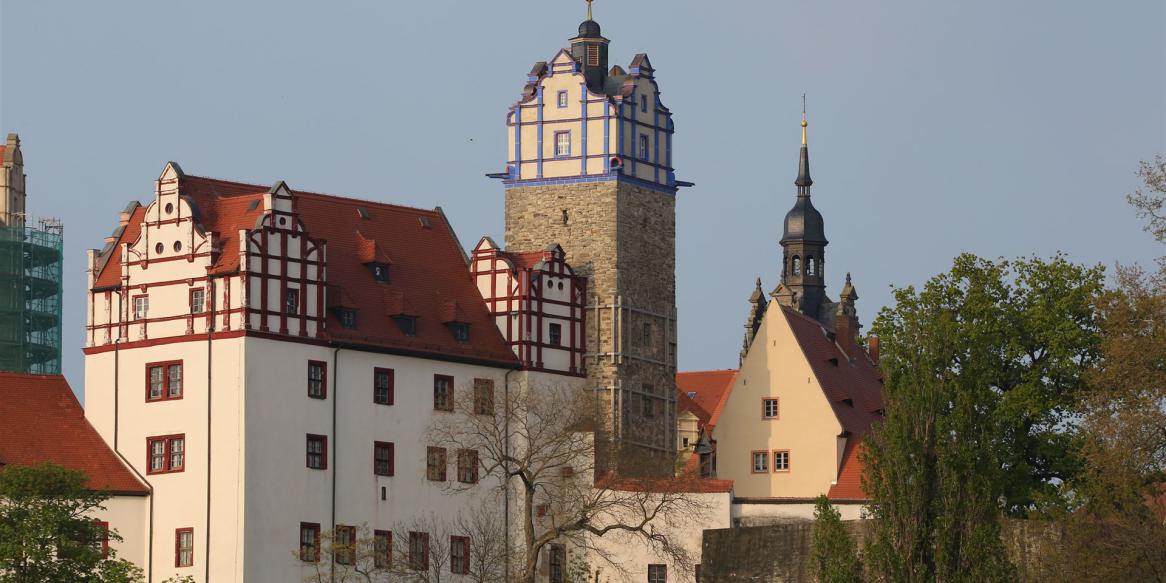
[{"x": 872, "y": 349}]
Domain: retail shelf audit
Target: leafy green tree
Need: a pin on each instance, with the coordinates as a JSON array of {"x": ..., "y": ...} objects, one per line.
[
  {"x": 47, "y": 533},
  {"x": 832, "y": 553}
]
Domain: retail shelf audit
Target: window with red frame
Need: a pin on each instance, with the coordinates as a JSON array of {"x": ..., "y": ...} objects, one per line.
[
  {"x": 166, "y": 453},
  {"x": 345, "y": 547},
  {"x": 382, "y": 458},
  {"x": 459, "y": 555},
  {"x": 292, "y": 302},
  {"x": 382, "y": 549},
  {"x": 435, "y": 463},
  {"x": 164, "y": 380},
  {"x": 760, "y": 462},
  {"x": 102, "y": 542},
  {"x": 657, "y": 573},
  {"x": 317, "y": 379},
  {"x": 317, "y": 452},
  {"x": 382, "y": 386},
  {"x": 197, "y": 300},
  {"x": 419, "y": 551},
  {"x": 309, "y": 542},
  {"x": 483, "y": 396},
  {"x": 184, "y": 547},
  {"x": 467, "y": 466},
  {"x": 442, "y": 392}
]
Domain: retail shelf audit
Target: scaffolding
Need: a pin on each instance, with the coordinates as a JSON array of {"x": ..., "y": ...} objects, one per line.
[{"x": 30, "y": 298}]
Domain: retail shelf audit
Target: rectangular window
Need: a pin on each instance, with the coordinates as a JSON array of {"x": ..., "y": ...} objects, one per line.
[
  {"x": 419, "y": 551},
  {"x": 760, "y": 462},
  {"x": 380, "y": 272},
  {"x": 483, "y": 396},
  {"x": 644, "y": 104},
  {"x": 769, "y": 408},
  {"x": 556, "y": 335},
  {"x": 102, "y": 542},
  {"x": 562, "y": 99},
  {"x": 460, "y": 331},
  {"x": 435, "y": 464},
  {"x": 647, "y": 405},
  {"x": 781, "y": 460},
  {"x": 467, "y": 466},
  {"x": 459, "y": 555},
  {"x": 347, "y": 318},
  {"x": 184, "y": 547},
  {"x": 164, "y": 380},
  {"x": 292, "y": 301},
  {"x": 344, "y": 551},
  {"x": 382, "y": 549},
  {"x": 562, "y": 144},
  {"x": 167, "y": 453},
  {"x": 442, "y": 392},
  {"x": 382, "y": 386},
  {"x": 317, "y": 452},
  {"x": 382, "y": 458},
  {"x": 657, "y": 573},
  {"x": 309, "y": 542},
  {"x": 317, "y": 379},
  {"x": 407, "y": 324},
  {"x": 643, "y": 146},
  {"x": 557, "y": 561},
  {"x": 197, "y": 300},
  {"x": 141, "y": 307}
]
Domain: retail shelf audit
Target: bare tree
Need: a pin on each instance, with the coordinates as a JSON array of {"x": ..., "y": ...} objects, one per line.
[
  {"x": 539, "y": 443},
  {"x": 1151, "y": 202},
  {"x": 421, "y": 551},
  {"x": 488, "y": 544},
  {"x": 347, "y": 556}
]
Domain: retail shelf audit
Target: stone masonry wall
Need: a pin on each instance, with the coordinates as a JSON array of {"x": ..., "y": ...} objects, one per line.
[
  {"x": 623, "y": 238},
  {"x": 781, "y": 552}
]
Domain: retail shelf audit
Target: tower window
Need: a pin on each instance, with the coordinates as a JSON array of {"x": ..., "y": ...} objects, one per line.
[
  {"x": 556, "y": 335},
  {"x": 643, "y": 146},
  {"x": 566, "y": 218},
  {"x": 797, "y": 265},
  {"x": 811, "y": 266},
  {"x": 562, "y": 144},
  {"x": 562, "y": 99},
  {"x": 292, "y": 301},
  {"x": 593, "y": 55},
  {"x": 644, "y": 104}
]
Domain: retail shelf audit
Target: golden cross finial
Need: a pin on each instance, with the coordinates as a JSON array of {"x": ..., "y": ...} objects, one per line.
[
  {"x": 589, "y": 9},
  {"x": 804, "y": 124}
]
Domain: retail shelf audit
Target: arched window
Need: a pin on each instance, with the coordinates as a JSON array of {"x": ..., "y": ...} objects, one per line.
[
  {"x": 811, "y": 266},
  {"x": 797, "y": 265}
]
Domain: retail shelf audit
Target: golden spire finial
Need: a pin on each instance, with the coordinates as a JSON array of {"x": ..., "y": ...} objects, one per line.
[
  {"x": 589, "y": 9},
  {"x": 804, "y": 124}
]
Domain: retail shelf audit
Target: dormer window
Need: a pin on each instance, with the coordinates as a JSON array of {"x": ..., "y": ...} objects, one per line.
[
  {"x": 347, "y": 317},
  {"x": 460, "y": 331},
  {"x": 407, "y": 324},
  {"x": 380, "y": 272}
]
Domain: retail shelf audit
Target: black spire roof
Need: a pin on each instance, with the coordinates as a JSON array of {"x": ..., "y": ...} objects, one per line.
[
  {"x": 804, "y": 222},
  {"x": 589, "y": 29}
]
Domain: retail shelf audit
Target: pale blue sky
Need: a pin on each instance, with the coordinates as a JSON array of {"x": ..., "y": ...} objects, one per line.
[{"x": 998, "y": 127}]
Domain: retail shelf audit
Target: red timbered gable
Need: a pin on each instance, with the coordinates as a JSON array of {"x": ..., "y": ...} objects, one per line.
[{"x": 538, "y": 303}]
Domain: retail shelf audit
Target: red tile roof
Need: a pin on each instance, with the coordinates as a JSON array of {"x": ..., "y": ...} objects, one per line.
[
  {"x": 712, "y": 391},
  {"x": 682, "y": 483},
  {"x": 849, "y": 484},
  {"x": 41, "y": 421},
  {"x": 428, "y": 278},
  {"x": 851, "y": 385}
]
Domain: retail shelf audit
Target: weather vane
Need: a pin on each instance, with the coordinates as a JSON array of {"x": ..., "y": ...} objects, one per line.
[{"x": 804, "y": 124}]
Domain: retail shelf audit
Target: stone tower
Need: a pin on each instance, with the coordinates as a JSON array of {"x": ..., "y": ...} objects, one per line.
[
  {"x": 590, "y": 168},
  {"x": 803, "y": 243},
  {"x": 12, "y": 197}
]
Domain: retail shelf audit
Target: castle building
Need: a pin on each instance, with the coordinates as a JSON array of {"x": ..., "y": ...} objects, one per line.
[
  {"x": 31, "y": 264},
  {"x": 789, "y": 424},
  {"x": 270, "y": 359},
  {"x": 589, "y": 168}
]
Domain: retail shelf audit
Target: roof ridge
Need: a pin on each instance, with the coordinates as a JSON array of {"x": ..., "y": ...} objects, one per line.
[{"x": 340, "y": 197}]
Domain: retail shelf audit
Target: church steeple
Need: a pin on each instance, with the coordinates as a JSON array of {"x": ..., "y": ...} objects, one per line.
[{"x": 804, "y": 243}]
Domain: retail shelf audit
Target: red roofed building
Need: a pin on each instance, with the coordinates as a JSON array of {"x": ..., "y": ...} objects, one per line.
[
  {"x": 42, "y": 422},
  {"x": 269, "y": 360},
  {"x": 788, "y": 426}
]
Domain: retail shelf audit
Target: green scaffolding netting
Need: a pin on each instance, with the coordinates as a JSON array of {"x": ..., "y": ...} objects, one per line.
[{"x": 30, "y": 299}]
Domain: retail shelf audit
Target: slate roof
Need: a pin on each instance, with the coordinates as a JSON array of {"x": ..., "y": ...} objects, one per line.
[
  {"x": 41, "y": 421},
  {"x": 428, "y": 277}
]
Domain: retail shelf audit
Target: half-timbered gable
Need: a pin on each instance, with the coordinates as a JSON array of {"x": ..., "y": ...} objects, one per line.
[{"x": 537, "y": 302}]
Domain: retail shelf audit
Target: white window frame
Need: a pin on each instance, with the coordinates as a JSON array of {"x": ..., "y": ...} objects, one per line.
[{"x": 563, "y": 147}]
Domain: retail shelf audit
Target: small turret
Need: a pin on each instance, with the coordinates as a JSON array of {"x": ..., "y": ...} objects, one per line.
[
  {"x": 757, "y": 305},
  {"x": 590, "y": 48},
  {"x": 803, "y": 242}
]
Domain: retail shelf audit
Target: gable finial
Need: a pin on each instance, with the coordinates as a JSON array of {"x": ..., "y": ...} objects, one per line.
[{"x": 589, "y": 9}]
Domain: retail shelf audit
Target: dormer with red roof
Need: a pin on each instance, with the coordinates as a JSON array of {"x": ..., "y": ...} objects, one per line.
[{"x": 537, "y": 302}]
